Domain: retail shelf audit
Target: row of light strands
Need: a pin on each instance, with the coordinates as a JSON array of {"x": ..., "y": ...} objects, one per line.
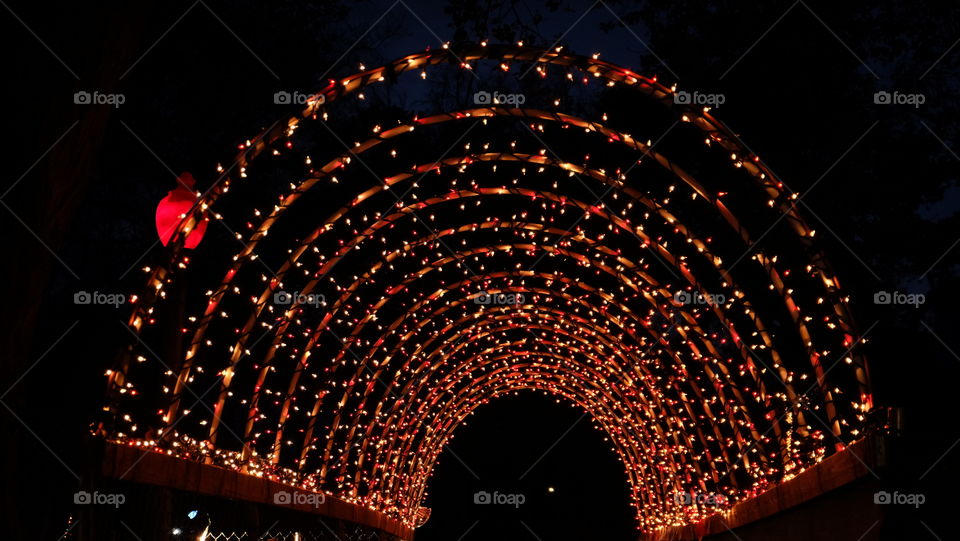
[{"x": 358, "y": 397}]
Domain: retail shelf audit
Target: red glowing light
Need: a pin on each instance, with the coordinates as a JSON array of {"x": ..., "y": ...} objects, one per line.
[{"x": 173, "y": 207}]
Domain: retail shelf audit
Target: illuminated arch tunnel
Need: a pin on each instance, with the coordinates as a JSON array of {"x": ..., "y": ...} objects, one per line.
[{"x": 378, "y": 278}]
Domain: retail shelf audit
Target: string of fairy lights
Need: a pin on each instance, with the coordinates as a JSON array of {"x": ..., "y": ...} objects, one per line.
[{"x": 435, "y": 287}]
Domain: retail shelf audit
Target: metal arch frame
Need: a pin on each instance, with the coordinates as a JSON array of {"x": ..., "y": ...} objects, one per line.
[
  {"x": 730, "y": 218},
  {"x": 599, "y": 69},
  {"x": 713, "y": 129}
]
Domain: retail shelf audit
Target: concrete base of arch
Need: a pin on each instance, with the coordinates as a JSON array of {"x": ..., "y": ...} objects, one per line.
[
  {"x": 833, "y": 500},
  {"x": 158, "y": 489}
]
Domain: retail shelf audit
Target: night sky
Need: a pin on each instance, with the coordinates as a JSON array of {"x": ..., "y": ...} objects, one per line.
[{"x": 800, "y": 82}]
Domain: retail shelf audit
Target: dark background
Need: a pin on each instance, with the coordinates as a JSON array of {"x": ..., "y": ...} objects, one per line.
[{"x": 81, "y": 185}]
